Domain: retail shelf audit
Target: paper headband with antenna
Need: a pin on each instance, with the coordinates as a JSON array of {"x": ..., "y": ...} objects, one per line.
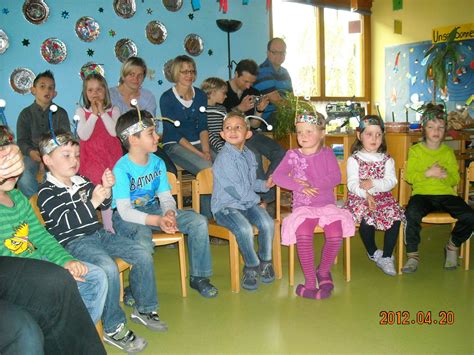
[
  {"x": 56, "y": 140},
  {"x": 246, "y": 118},
  {"x": 431, "y": 112},
  {"x": 142, "y": 125},
  {"x": 6, "y": 136}
]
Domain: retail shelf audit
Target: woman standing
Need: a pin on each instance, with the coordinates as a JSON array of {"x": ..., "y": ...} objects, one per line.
[{"x": 132, "y": 75}]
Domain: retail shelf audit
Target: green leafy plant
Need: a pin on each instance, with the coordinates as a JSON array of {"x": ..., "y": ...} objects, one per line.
[
  {"x": 445, "y": 60},
  {"x": 286, "y": 111}
]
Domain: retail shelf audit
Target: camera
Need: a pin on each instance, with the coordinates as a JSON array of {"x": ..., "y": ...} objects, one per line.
[{"x": 257, "y": 99}]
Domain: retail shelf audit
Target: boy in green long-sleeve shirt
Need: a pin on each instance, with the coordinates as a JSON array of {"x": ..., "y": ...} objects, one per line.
[
  {"x": 432, "y": 170},
  {"x": 22, "y": 235}
]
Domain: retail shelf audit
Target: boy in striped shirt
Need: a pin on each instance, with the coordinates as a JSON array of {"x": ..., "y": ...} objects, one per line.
[{"x": 68, "y": 204}]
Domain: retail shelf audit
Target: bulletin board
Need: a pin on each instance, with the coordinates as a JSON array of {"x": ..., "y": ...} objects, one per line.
[{"x": 405, "y": 70}]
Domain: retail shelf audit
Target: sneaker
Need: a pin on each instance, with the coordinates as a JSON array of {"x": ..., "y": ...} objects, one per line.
[
  {"x": 124, "y": 339},
  {"x": 377, "y": 255},
  {"x": 128, "y": 299},
  {"x": 411, "y": 266},
  {"x": 387, "y": 265},
  {"x": 250, "y": 279},
  {"x": 267, "y": 274},
  {"x": 150, "y": 320},
  {"x": 451, "y": 258}
]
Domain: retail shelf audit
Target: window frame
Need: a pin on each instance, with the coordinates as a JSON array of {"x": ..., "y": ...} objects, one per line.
[{"x": 365, "y": 60}]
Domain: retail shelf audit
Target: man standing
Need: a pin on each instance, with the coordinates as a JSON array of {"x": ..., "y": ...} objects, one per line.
[
  {"x": 241, "y": 96},
  {"x": 273, "y": 80}
]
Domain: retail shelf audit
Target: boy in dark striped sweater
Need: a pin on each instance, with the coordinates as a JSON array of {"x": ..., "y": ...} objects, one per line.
[{"x": 68, "y": 204}]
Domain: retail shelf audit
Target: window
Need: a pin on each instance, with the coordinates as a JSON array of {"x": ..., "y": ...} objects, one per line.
[{"x": 325, "y": 50}]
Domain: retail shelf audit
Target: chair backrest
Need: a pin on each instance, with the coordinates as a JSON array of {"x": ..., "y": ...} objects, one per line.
[
  {"x": 34, "y": 205},
  {"x": 175, "y": 188},
  {"x": 202, "y": 185}
]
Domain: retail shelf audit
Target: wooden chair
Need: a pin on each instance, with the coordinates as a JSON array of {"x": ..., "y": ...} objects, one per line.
[
  {"x": 433, "y": 217},
  {"x": 203, "y": 185}
]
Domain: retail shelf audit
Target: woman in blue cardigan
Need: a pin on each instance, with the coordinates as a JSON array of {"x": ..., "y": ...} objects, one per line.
[{"x": 188, "y": 144}]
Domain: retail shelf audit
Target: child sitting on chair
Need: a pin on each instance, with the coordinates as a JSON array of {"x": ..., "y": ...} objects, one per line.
[
  {"x": 141, "y": 177},
  {"x": 432, "y": 170},
  {"x": 68, "y": 204},
  {"x": 312, "y": 173},
  {"x": 235, "y": 204}
]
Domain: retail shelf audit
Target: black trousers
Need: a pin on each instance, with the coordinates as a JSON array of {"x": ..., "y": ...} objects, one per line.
[
  {"x": 420, "y": 205},
  {"x": 49, "y": 295}
]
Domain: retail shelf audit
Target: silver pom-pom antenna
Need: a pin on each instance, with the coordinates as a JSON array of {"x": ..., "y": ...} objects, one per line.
[
  {"x": 53, "y": 108},
  {"x": 3, "y": 103},
  {"x": 269, "y": 126}
]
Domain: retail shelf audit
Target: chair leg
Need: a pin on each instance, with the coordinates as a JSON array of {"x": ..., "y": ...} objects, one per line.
[
  {"x": 100, "y": 330},
  {"x": 400, "y": 248},
  {"x": 347, "y": 258},
  {"x": 121, "y": 286},
  {"x": 277, "y": 251},
  {"x": 234, "y": 265},
  {"x": 182, "y": 266},
  {"x": 291, "y": 264},
  {"x": 467, "y": 253}
]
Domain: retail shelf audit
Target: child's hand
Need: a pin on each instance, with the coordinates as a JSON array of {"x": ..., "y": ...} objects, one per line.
[
  {"x": 302, "y": 182},
  {"x": 371, "y": 202},
  {"x": 35, "y": 155},
  {"x": 436, "y": 171},
  {"x": 77, "y": 269},
  {"x": 99, "y": 194},
  {"x": 366, "y": 184},
  {"x": 108, "y": 179},
  {"x": 206, "y": 156},
  {"x": 310, "y": 191},
  {"x": 269, "y": 183},
  {"x": 168, "y": 223}
]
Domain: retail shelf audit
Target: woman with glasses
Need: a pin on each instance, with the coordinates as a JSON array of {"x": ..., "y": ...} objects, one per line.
[
  {"x": 188, "y": 144},
  {"x": 132, "y": 75}
]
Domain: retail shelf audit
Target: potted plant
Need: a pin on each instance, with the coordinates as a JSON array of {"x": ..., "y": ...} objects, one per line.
[{"x": 286, "y": 111}]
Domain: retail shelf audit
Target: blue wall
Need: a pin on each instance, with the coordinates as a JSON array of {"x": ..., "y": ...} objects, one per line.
[{"x": 249, "y": 42}]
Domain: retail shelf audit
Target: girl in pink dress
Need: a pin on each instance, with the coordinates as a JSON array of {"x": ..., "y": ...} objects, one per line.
[
  {"x": 100, "y": 147},
  {"x": 370, "y": 178},
  {"x": 312, "y": 173}
]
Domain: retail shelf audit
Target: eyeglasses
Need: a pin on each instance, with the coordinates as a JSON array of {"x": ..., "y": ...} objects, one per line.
[
  {"x": 187, "y": 72},
  {"x": 278, "y": 52}
]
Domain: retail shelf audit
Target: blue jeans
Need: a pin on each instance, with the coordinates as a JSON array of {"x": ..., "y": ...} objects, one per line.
[
  {"x": 261, "y": 145},
  {"x": 20, "y": 332},
  {"x": 93, "y": 291},
  {"x": 240, "y": 222},
  {"x": 27, "y": 182},
  {"x": 101, "y": 248},
  {"x": 186, "y": 159},
  {"x": 189, "y": 222}
]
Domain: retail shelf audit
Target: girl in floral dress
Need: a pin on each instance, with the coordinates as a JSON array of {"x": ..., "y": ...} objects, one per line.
[
  {"x": 370, "y": 178},
  {"x": 312, "y": 172}
]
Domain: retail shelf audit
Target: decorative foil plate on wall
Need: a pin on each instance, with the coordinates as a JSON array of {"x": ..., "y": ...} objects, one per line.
[
  {"x": 156, "y": 32},
  {"x": 4, "y": 42},
  {"x": 125, "y": 8},
  {"x": 87, "y": 29},
  {"x": 124, "y": 49},
  {"x": 193, "y": 44},
  {"x": 53, "y": 50},
  {"x": 173, "y": 5},
  {"x": 21, "y": 80},
  {"x": 35, "y": 11}
]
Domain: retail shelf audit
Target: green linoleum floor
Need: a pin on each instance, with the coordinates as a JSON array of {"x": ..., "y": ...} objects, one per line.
[{"x": 274, "y": 320}]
